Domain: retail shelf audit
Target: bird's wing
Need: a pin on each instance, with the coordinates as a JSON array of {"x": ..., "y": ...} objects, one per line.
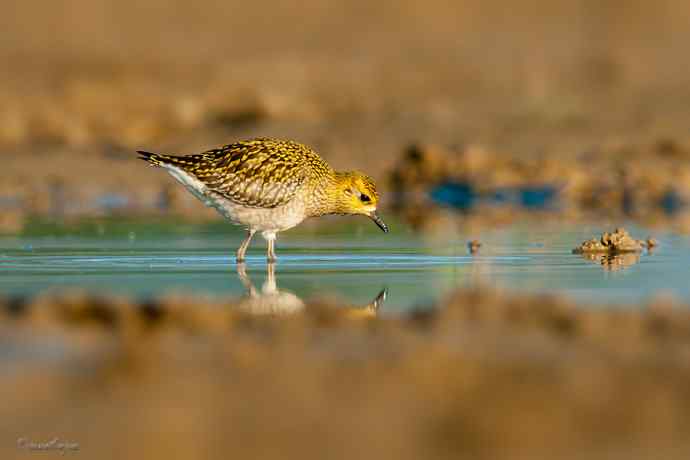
[{"x": 261, "y": 173}]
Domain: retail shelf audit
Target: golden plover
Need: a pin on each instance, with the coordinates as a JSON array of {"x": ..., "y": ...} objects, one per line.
[
  {"x": 270, "y": 185},
  {"x": 271, "y": 300}
]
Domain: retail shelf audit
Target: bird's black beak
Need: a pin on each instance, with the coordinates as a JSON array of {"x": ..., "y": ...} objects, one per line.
[
  {"x": 380, "y": 299},
  {"x": 378, "y": 221}
]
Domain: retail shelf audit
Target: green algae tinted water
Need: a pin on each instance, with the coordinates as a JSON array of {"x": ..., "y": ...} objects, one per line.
[{"x": 352, "y": 261}]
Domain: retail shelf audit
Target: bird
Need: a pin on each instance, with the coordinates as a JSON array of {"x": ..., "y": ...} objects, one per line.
[
  {"x": 271, "y": 300},
  {"x": 270, "y": 185}
]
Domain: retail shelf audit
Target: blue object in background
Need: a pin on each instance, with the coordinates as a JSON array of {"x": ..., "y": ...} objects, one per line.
[
  {"x": 112, "y": 201},
  {"x": 456, "y": 194},
  {"x": 537, "y": 197},
  {"x": 671, "y": 202},
  {"x": 463, "y": 196}
]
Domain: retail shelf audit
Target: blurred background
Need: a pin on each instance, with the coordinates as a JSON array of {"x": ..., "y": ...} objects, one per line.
[
  {"x": 551, "y": 120},
  {"x": 587, "y": 98}
]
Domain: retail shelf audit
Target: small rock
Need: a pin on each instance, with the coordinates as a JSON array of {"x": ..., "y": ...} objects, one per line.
[{"x": 473, "y": 246}]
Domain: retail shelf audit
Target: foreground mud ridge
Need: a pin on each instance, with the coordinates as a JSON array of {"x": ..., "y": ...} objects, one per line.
[{"x": 481, "y": 375}]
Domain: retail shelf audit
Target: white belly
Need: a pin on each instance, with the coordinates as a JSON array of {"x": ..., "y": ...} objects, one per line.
[
  {"x": 277, "y": 303},
  {"x": 259, "y": 219}
]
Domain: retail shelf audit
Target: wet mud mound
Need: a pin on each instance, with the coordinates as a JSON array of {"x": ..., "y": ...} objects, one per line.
[{"x": 617, "y": 242}]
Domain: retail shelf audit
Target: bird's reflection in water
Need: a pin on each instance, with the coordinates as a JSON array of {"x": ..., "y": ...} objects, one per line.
[
  {"x": 614, "y": 262},
  {"x": 273, "y": 301}
]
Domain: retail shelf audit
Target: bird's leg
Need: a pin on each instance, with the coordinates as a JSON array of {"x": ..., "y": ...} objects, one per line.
[
  {"x": 271, "y": 240},
  {"x": 270, "y": 285},
  {"x": 243, "y": 247},
  {"x": 272, "y": 251},
  {"x": 244, "y": 279}
]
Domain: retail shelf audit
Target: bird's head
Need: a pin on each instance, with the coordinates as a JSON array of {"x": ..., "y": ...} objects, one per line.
[{"x": 356, "y": 194}]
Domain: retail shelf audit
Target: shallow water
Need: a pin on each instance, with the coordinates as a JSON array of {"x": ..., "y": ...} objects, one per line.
[{"x": 352, "y": 263}]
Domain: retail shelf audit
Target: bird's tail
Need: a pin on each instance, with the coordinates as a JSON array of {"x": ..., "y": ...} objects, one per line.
[
  {"x": 154, "y": 159},
  {"x": 159, "y": 159}
]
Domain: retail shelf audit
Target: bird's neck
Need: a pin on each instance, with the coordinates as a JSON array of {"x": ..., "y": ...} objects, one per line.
[{"x": 329, "y": 196}]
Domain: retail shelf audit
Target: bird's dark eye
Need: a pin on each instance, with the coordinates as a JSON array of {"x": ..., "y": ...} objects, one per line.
[{"x": 364, "y": 198}]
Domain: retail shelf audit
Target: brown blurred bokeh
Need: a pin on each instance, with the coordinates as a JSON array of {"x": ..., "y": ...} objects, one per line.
[
  {"x": 486, "y": 375},
  {"x": 86, "y": 82}
]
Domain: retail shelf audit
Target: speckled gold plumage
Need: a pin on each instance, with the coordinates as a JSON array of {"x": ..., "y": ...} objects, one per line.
[{"x": 258, "y": 172}]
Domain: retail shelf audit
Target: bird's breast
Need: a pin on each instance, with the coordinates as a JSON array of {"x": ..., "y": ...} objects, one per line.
[{"x": 276, "y": 219}]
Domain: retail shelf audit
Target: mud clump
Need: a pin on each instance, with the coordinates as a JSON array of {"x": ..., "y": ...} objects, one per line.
[{"x": 618, "y": 242}]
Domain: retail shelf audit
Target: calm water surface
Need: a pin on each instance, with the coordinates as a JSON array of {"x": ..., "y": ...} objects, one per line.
[{"x": 353, "y": 263}]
